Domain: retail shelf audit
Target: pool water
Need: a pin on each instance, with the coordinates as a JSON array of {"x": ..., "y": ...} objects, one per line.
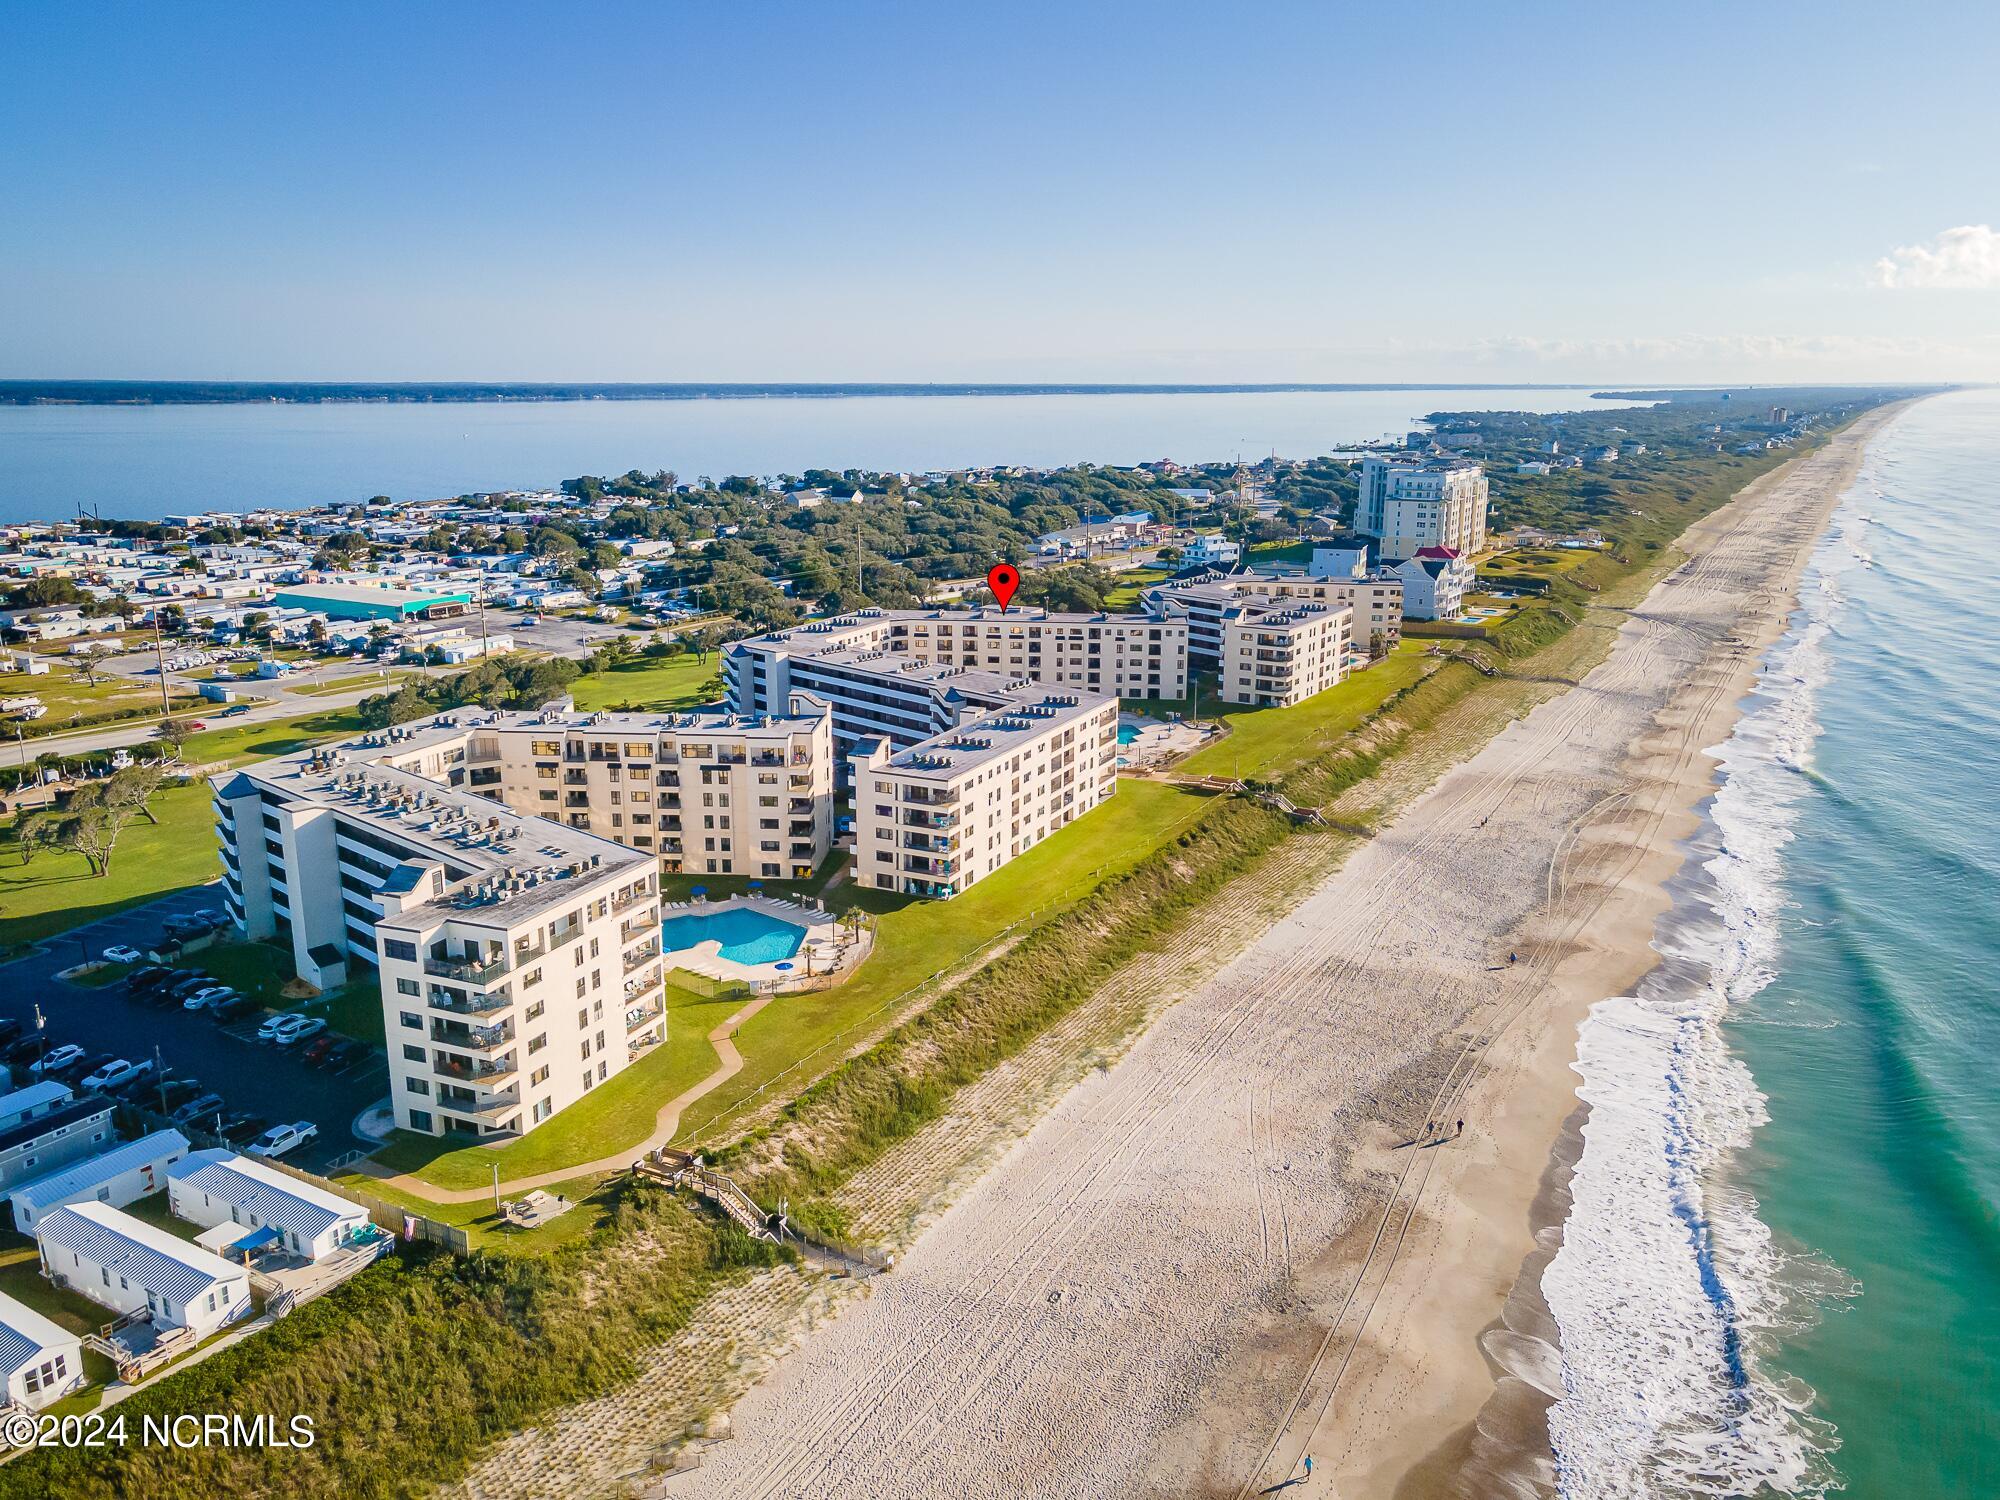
[
  {"x": 1126, "y": 734},
  {"x": 747, "y": 936}
]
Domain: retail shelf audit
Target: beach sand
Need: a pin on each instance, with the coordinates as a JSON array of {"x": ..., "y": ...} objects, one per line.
[{"x": 1236, "y": 1245}]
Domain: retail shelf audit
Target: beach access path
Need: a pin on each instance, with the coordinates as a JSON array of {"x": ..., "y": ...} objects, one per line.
[{"x": 1237, "y": 1245}]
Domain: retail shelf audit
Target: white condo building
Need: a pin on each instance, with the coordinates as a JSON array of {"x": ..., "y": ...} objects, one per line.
[
  {"x": 519, "y": 954},
  {"x": 933, "y": 819},
  {"x": 862, "y": 664},
  {"x": 1234, "y": 620},
  {"x": 1407, "y": 507}
]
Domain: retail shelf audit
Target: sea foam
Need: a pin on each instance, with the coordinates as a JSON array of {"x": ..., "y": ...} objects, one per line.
[{"x": 1668, "y": 1285}]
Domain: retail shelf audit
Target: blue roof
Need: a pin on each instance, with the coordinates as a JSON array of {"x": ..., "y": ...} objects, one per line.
[
  {"x": 263, "y": 1193},
  {"x": 149, "y": 1258},
  {"x": 25, "y": 1335},
  {"x": 34, "y": 1096},
  {"x": 84, "y": 1177}
]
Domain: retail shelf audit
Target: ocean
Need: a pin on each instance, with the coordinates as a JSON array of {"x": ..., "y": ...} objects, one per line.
[
  {"x": 144, "y": 462},
  {"x": 1779, "y": 1272}
]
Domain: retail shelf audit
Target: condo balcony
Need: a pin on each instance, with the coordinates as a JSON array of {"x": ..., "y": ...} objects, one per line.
[
  {"x": 467, "y": 970},
  {"x": 471, "y": 1038},
  {"x": 488, "y": 1111},
  {"x": 917, "y": 864},
  {"x": 461, "y": 1004},
  {"x": 913, "y": 819},
  {"x": 919, "y": 796},
  {"x": 932, "y": 843},
  {"x": 640, "y": 1017},
  {"x": 479, "y": 1073},
  {"x": 642, "y": 957}
]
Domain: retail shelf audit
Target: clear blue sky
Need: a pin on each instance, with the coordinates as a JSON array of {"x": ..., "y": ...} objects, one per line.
[{"x": 768, "y": 191}]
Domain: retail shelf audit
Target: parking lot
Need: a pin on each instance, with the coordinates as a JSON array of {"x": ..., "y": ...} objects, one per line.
[{"x": 229, "y": 1060}]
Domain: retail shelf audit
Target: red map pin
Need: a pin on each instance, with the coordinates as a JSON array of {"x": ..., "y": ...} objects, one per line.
[{"x": 1003, "y": 579}]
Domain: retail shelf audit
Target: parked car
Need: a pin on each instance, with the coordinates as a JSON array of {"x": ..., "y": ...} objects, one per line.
[
  {"x": 147, "y": 976},
  {"x": 209, "y": 916},
  {"x": 198, "y": 1110},
  {"x": 308, "y": 1026},
  {"x": 21, "y": 1050},
  {"x": 119, "y": 953},
  {"x": 90, "y": 1062},
  {"x": 115, "y": 1073},
  {"x": 317, "y": 1050},
  {"x": 345, "y": 1054},
  {"x": 232, "y": 1009},
  {"x": 280, "y": 1139},
  {"x": 9, "y": 1029},
  {"x": 284, "y": 1020},
  {"x": 203, "y": 999},
  {"x": 58, "y": 1058},
  {"x": 243, "y": 1127},
  {"x": 233, "y": 710},
  {"x": 177, "y": 1091}
]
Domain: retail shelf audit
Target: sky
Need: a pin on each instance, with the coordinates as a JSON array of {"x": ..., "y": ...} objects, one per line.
[{"x": 1076, "y": 191}]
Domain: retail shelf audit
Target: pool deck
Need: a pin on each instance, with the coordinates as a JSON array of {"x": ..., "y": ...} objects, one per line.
[
  {"x": 1158, "y": 741},
  {"x": 828, "y": 947}
]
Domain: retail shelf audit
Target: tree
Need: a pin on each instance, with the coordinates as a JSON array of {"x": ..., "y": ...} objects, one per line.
[
  {"x": 38, "y": 831},
  {"x": 96, "y": 814},
  {"x": 174, "y": 732}
]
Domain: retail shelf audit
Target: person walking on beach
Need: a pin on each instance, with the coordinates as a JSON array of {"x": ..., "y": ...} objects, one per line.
[{"x": 1460, "y": 1131}]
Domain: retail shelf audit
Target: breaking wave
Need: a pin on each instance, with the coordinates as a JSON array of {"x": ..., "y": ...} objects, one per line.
[{"x": 1669, "y": 1288}]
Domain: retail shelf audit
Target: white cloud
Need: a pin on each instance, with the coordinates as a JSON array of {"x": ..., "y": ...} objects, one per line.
[{"x": 1968, "y": 256}]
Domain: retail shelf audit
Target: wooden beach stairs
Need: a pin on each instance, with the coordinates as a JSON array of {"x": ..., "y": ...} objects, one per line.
[{"x": 676, "y": 1169}]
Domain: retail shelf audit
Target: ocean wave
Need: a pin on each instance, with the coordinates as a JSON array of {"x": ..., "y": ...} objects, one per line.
[{"x": 1669, "y": 1289}]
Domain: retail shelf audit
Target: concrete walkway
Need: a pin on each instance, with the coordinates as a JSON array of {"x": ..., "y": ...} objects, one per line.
[{"x": 665, "y": 1126}]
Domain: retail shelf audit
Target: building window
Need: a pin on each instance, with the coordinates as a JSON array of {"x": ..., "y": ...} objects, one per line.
[
  {"x": 420, "y": 1119},
  {"x": 412, "y": 1020},
  {"x": 416, "y": 1086},
  {"x": 412, "y": 1054},
  {"x": 399, "y": 948},
  {"x": 408, "y": 987}
]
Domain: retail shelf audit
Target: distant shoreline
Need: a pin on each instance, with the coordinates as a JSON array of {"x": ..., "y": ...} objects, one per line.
[{"x": 311, "y": 393}]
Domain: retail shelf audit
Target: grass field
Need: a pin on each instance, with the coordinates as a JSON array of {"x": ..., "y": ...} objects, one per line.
[
  {"x": 618, "y": 1113},
  {"x": 238, "y": 742},
  {"x": 1263, "y": 743},
  {"x": 57, "y": 892},
  {"x": 673, "y": 683},
  {"x": 799, "y": 1036},
  {"x": 74, "y": 704}
]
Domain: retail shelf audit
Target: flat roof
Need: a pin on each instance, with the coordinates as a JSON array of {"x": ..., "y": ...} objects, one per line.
[
  {"x": 361, "y": 593},
  {"x": 996, "y": 734}
]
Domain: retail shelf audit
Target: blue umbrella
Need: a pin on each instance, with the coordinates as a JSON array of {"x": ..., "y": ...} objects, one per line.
[
  {"x": 699, "y": 890},
  {"x": 756, "y": 885}
]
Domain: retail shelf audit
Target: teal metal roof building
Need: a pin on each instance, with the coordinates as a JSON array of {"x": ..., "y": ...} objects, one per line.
[{"x": 349, "y": 601}]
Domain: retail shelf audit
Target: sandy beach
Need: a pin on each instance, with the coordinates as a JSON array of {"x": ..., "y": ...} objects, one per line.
[{"x": 1238, "y": 1245}]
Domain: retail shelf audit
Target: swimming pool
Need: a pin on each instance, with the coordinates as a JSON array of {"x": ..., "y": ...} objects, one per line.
[
  {"x": 747, "y": 936},
  {"x": 1127, "y": 733}
]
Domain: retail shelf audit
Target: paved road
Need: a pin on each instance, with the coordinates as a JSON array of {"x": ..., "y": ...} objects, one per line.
[
  {"x": 275, "y": 698},
  {"x": 270, "y": 1081}
]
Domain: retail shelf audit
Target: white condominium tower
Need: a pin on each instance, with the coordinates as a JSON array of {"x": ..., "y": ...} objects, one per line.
[
  {"x": 1407, "y": 507},
  {"x": 863, "y": 664},
  {"x": 933, "y": 819},
  {"x": 500, "y": 873}
]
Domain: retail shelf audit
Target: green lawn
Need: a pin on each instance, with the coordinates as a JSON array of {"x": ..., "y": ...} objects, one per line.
[
  {"x": 73, "y": 703},
  {"x": 57, "y": 892},
  {"x": 262, "y": 970},
  {"x": 237, "y": 742},
  {"x": 1131, "y": 583},
  {"x": 1265, "y": 742},
  {"x": 670, "y": 683},
  {"x": 482, "y": 1222},
  {"x": 617, "y": 1113},
  {"x": 800, "y": 1036}
]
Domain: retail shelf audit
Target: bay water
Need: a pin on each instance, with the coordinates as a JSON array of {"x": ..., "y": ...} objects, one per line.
[{"x": 146, "y": 462}]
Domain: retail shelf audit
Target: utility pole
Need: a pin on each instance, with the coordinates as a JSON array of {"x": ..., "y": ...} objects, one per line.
[
  {"x": 496, "y": 1187},
  {"x": 160, "y": 656}
]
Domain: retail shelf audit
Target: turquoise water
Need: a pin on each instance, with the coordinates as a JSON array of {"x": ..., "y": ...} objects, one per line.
[
  {"x": 747, "y": 937},
  {"x": 1126, "y": 734},
  {"x": 1797, "y": 1206},
  {"x": 150, "y": 461}
]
